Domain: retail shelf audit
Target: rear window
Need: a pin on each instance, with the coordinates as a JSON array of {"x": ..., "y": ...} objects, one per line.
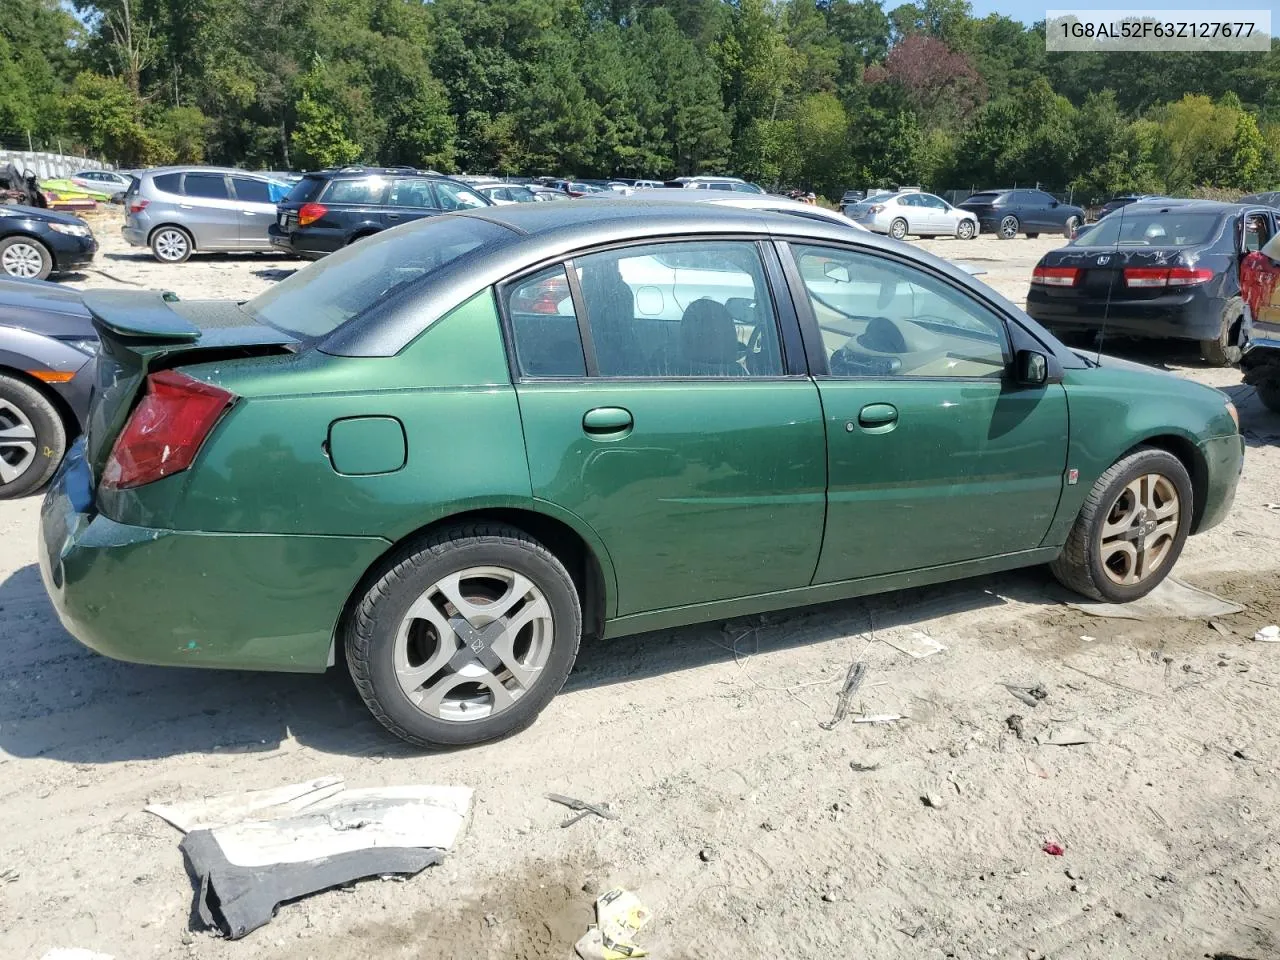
[
  {"x": 168, "y": 182},
  {"x": 318, "y": 299},
  {"x": 984, "y": 198},
  {"x": 1164, "y": 229},
  {"x": 306, "y": 190},
  {"x": 367, "y": 190}
]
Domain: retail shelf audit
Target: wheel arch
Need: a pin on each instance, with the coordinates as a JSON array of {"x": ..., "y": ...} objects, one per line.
[
  {"x": 362, "y": 231},
  {"x": 572, "y": 542},
  {"x": 68, "y": 417},
  {"x": 1189, "y": 455},
  {"x": 32, "y": 235}
]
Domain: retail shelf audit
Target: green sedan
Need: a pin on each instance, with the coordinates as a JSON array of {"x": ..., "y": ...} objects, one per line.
[{"x": 451, "y": 451}]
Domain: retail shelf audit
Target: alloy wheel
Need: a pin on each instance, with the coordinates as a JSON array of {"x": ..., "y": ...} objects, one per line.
[
  {"x": 17, "y": 442},
  {"x": 473, "y": 644},
  {"x": 898, "y": 229},
  {"x": 965, "y": 230},
  {"x": 1009, "y": 227},
  {"x": 22, "y": 260},
  {"x": 1141, "y": 529},
  {"x": 171, "y": 245}
]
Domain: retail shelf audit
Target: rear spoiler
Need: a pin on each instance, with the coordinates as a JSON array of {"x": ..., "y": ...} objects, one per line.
[{"x": 152, "y": 321}]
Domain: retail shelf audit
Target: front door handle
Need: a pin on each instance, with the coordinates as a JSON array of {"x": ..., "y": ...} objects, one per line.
[
  {"x": 877, "y": 415},
  {"x": 249, "y": 213},
  {"x": 607, "y": 420},
  {"x": 393, "y": 216}
]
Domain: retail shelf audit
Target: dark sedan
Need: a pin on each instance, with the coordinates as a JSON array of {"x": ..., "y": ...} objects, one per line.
[
  {"x": 35, "y": 242},
  {"x": 1163, "y": 269},
  {"x": 1007, "y": 213},
  {"x": 47, "y": 343}
]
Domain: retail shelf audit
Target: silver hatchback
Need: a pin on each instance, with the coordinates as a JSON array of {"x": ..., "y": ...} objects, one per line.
[{"x": 178, "y": 211}]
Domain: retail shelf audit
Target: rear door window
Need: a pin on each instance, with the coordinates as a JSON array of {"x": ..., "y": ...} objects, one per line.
[
  {"x": 1257, "y": 231},
  {"x": 250, "y": 190},
  {"x": 411, "y": 192},
  {"x": 168, "y": 182},
  {"x": 208, "y": 186},
  {"x": 366, "y": 191},
  {"x": 453, "y": 196}
]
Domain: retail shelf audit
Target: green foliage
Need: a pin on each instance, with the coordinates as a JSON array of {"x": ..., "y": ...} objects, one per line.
[{"x": 819, "y": 94}]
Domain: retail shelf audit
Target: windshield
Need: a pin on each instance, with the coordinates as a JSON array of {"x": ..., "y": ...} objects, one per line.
[
  {"x": 319, "y": 298},
  {"x": 1158, "y": 229}
]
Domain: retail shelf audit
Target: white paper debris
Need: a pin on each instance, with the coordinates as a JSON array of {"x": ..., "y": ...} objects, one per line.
[
  {"x": 1269, "y": 634},
  {"x": 1172, "y": 600},
  {"x": 914, "y": 643},
  {"x": 250, "y": 805}
]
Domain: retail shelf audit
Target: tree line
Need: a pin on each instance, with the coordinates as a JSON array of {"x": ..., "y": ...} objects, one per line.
[{"x": 817, "y": 94}]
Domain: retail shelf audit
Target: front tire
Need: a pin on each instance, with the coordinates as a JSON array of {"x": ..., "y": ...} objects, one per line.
[
  {"x": 1070, "y": 227},
  {"x": 172, "y": 245},
  {"x": 966, "y": 230},
  {"x": 465, "y": 636},
  {"x": 1131, "y": 529},
  {"x": 33, "y": 439},
  {"x": 1008, "y": 228},
  {"x": 1226, "y": 350},
  {"x": 1269, "y": 394},
  {"x": 898, "y": 229},
  {"x": 25, "y": 258}
]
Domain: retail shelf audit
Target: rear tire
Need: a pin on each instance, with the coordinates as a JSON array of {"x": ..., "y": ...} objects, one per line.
[
  {"x": 420, "y": 678},
  {"x": 33, "y": 439},
  {"x": 1123, "y": 533},
  {"x": 1225, "y": 351},
  {"x": 172, "y": 245},
  {"x": 25, "y": 258},
  {"x": 1269, "y": 394}
]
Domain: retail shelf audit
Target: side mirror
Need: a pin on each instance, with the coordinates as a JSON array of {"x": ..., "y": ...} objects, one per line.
[
  {"x": 1053, "y": 203},
  {"x": 1031, "y": 369}
]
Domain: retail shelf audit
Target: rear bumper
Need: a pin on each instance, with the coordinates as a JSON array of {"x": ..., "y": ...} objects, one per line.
[
  {"x": 1177, "y": 316},
  {"x": 1224, "y": 458},
  {"x": 134, "y": 236},
  {"x": 182, "y": 598},
  {"x": 310, "y": 243}
]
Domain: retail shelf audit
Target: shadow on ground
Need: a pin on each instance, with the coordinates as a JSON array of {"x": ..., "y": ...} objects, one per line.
[{"x": 64, "y": 702}]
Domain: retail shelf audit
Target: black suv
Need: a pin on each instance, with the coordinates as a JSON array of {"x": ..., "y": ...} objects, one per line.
[{"x": 329, "y": 209}]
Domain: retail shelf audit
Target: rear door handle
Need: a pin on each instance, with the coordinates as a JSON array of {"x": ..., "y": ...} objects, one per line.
[
  {"x": 184, "y": 206},
  {"x": 393, "y": 216},
  {"x": 607, "y": 420},
  {"x": 249, "y": 213},
  {"x": 877, "y": 415}
]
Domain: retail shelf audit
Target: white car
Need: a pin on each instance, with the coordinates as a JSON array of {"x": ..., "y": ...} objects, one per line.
[
  {"x": 500, "y": 193},
  {"x": 911, "y": 213},
  {"x": 103, "y": 181}
]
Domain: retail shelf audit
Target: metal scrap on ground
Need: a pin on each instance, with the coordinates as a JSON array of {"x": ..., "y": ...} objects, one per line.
[
  {"x": 852, "y": 680},
  {"x": 584, "y": 807}
]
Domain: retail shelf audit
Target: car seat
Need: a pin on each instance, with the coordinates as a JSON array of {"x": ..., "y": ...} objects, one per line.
[{"x": 709, "y": 341}]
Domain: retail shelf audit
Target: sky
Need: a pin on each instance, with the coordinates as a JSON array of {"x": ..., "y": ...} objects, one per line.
[{"x": 1029, "y": 11}]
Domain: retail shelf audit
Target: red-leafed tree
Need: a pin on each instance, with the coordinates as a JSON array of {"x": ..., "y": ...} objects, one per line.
[{"x": 942, "y": 84}]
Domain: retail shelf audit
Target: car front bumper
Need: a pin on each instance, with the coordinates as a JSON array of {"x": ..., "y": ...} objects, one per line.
[
  {"x": 71, "y": 253},
  {"x": 185, "y": 598}
]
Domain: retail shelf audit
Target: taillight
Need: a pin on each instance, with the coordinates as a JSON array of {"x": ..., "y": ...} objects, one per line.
[
  {"x": 1055, "y": 276},
  {"x": 1148, "y": 277},
  {"x": 551, "y": 293},
  {"x": 166, "y": 430},
  {"x": 875, "y": 208},
  {"x": 137, "y": 205},
  {"x": 310, "y": 213}
]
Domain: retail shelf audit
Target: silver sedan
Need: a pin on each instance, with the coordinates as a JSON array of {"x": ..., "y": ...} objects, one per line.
[{"x": 913, "y": 214}]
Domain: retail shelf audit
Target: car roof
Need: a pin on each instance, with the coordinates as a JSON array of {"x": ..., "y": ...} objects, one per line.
[
  {"x": 541, "y": 233},
  {"x": 201, "y": 168},
  {"x": 746, "y": 201},
  {"x": 1149, "y": 204}
]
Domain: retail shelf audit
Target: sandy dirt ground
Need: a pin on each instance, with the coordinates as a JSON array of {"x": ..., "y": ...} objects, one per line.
[{"x": 748, "y": 828}]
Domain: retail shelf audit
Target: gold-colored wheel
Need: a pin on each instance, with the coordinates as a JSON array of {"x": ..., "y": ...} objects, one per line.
[{"x": 1140, "y": 530}]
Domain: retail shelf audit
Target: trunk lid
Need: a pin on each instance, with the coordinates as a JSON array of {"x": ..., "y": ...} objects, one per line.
[{"x": 144, "y": 332}]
